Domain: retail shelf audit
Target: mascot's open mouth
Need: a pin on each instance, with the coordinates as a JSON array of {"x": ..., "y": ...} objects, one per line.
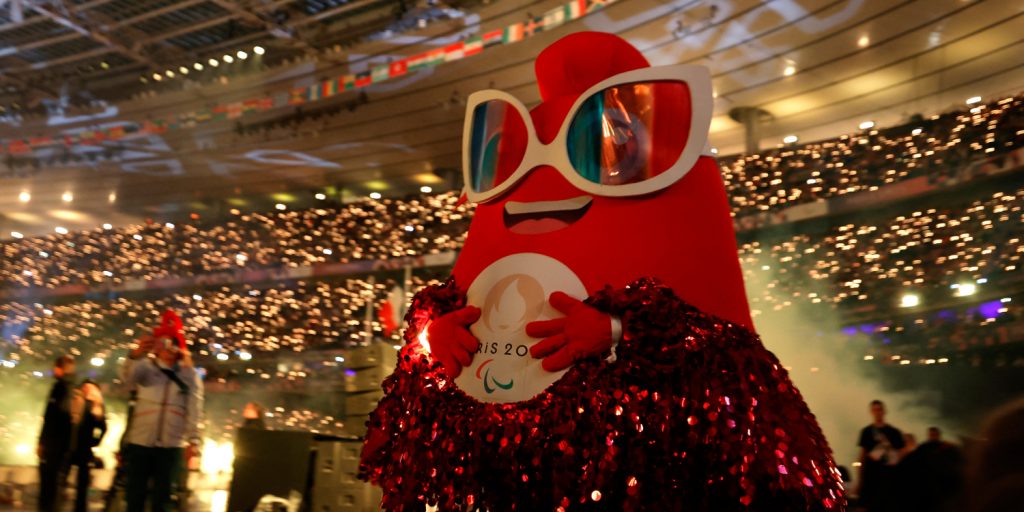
[{"x": 539, "y": 217}]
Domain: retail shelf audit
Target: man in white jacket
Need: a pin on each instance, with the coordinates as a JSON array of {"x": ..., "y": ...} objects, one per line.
[{"x": 167, "y": 416}]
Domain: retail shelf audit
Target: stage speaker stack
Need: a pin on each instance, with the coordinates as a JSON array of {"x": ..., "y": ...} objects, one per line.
[
  {"x": 365, "y": 370},
  {"x": 335, "y": 486}
]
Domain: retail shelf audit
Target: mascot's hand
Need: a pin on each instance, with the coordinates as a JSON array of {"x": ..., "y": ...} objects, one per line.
[
  {"x": 583, "y": 332},
  {"x": 450, "y": 341}
]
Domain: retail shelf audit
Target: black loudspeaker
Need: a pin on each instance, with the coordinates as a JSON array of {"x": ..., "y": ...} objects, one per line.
[{"x": 269, "y": 462}]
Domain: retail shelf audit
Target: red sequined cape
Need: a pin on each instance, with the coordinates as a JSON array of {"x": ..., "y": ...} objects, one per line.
[{"x": 694, "y": 414}]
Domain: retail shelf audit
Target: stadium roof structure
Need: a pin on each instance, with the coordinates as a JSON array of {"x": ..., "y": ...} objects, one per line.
[{"x": 161, "y": 108}]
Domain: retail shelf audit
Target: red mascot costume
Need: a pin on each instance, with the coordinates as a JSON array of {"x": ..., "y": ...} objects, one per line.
[{"x": 593, "y": 349}]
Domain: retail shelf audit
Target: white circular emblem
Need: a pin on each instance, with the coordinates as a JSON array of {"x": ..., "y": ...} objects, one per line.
[{"x": 511, "y": 293}]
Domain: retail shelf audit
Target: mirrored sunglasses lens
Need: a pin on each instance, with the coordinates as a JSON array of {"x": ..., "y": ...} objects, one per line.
[
  {"x": 497, "y": 144},
  {"x": 630, "y": 133}
]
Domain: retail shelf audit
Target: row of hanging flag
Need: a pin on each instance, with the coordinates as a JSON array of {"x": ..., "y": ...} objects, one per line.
[{"x": 322, "y": 90}]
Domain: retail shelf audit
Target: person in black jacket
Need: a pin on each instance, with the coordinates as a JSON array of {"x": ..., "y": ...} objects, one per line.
[
  {"x": 55, "y": 437},
  {"x": 89, "y": 419}
]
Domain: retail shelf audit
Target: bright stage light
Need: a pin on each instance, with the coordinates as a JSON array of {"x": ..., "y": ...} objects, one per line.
[
  {"x": 228, "y": 59},
  {"x": 198, "y": 66},
  {"x": 97, "y": 361},
  {"x": 61, "y": 230},
  {"x": 866, "y": 125},
  {"x": 909, "y": 300},
  {"x": 258, "y": 50},
  {"x": 789, "y": 139},
  {"x": 966, "y": 289},
  {"x": 375, "y": 195},
  {"x": 242, "y": 55},
  {"x": 426, "y": 189},
  {"x": 973, "y": 99},
  {"x": 213, "y": 62},
  {"x": 24, "y": 197}
]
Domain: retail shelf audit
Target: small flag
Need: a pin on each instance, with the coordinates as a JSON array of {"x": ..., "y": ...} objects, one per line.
[
  {"x": 513, "y": 33},
  {"x": 435, "y": 57},
  {"x": 313, "y": 92},
  {"x": 348, "y": 82},
  {"x": 220, "y": 112},
  {"x": 593, "y": 5},
  {"x": 234, "y": 110},
  {"x": 554, "y": 18},
  {"x": 575, "y": 9},
  {"x": 363, "y": 79},
  {"x": 329, "y": 88},
  {"x": 40, "y": 141},
  {"x": 398, "y": 68},
  {"x": 454, "y": 51},
  {"x": 418, "y": 61},
  {"x": 203, "y": 116},
  {"x": 116, "y": 133},
  {"x": 266, "y": 103},
  {"x": 380, "y": 73},
  {"x": 473, "y": 46},
  {"x": 493, "y": 37},
  {"x": 18, "y": 147},
  {"x": 295, "y": 96}
]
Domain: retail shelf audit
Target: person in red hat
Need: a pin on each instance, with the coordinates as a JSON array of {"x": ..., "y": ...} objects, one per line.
[
  {"x": 164, "y": 427},
  {"x": 594, "y": 348}
]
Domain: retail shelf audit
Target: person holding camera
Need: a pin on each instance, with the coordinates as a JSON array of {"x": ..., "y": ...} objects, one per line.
[{"x": 165, "y": 423}]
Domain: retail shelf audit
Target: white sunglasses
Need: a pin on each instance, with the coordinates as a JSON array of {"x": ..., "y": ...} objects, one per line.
[{"x": 605, "y": 145}]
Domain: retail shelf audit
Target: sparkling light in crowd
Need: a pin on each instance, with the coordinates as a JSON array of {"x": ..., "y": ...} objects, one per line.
[
  {"x": 909, "y": 300},
  {"x": 24, "y": 197}
]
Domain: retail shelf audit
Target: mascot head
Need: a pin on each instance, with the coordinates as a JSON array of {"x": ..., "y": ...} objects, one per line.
[{"x": 609, "y": 175}]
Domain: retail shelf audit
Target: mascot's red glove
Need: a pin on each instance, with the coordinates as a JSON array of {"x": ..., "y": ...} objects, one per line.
[
  {"x": 583, "y": 332},
  {"x": 450, "y": 341}
]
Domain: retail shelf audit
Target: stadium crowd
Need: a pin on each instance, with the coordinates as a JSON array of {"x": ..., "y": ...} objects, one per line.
[{"x": 939, "y": 148}]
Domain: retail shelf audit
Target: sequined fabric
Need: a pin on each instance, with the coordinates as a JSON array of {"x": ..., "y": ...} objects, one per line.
[{"x": 693, "y": 414}]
